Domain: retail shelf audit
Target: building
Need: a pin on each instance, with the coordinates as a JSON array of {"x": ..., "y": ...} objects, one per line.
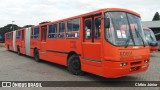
[{"x": 154, "y": 25}]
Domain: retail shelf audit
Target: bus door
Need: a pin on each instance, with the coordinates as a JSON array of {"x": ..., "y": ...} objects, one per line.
[
  {"x": 43, "y": 38},
  {"x": 11, "y": 40},
  {"x": 92, "y": 38},
  {"x": 23, "y": 40}
]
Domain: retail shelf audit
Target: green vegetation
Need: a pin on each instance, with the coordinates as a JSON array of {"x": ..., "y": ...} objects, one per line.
[
  {"x": 10, "y": 27},
  {"x": 156, "y": 17},
  {"x": 7, "y": 28}
]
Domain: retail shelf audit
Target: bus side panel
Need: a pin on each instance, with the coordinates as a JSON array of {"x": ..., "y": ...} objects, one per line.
[
  {"x": 18, "y": 40},
  {"x": 14, "y": 40},
  {"x": 57, "y": 50},
  {"x": 54, "y": 51},
  {"x": 22, "y": 43},
  {"x": 27, "y": 40},
  {"x": 10, "y": 42}
]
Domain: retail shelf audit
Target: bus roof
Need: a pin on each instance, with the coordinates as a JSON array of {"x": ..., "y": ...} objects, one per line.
[
  {"x": 93, "y": 12},
  {"x": 87, "y": 14}
]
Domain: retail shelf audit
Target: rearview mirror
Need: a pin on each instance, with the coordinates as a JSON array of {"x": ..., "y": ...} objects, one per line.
[{"x": 153, "y": 43}]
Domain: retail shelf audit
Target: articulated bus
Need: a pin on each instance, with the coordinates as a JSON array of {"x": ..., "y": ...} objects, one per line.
[
  {"x": 101, "y": 42},
  {"x": 151, "y": 39}
]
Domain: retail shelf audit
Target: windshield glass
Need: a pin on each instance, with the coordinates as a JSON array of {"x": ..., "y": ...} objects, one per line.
[
  {"x": 123, "y": 27},
  {"x": 150, "y": 37}
]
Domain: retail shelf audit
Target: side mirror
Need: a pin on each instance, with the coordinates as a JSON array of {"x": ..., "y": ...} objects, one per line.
[
  {"x": 107, "y": 23},
  {"x": 153, "y": 43}
]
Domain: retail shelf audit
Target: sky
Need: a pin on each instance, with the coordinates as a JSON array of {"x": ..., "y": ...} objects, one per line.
[{"x": 26, "y": 12}]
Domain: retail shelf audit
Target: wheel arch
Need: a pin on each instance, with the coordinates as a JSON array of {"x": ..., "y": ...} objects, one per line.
[
  {"x": 72, "y": 53},
  {"x": 35, "y": 48}
]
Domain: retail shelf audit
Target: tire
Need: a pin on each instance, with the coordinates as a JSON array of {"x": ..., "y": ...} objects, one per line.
[
  {"x": 18, "y": 51},
  {"x": 36, "y": 55},
  {"x": 74, "y": 65},
  {"x": 8, "y": 47}
]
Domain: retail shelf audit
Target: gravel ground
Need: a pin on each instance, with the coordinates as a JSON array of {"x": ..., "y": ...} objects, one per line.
[{"x": 24, "y": 68}]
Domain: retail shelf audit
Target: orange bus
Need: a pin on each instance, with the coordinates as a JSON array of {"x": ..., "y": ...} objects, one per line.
[
  {"x": 95, "y": 42},
  {"x": 151, "y": 39}
]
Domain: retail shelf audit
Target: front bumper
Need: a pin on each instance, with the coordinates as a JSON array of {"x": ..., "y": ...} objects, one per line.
[
  {"x": 154, "y": 48},
  {"x": 114, "y": 70}
]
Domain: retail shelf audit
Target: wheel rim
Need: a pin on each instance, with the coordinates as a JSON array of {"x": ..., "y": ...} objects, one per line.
[
  {"x": 76, "y": 64},
  {"x": 18, "y": 51},
  {"x": 36, "y": 55}
]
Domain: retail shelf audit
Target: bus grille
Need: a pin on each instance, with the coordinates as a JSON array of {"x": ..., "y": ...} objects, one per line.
[{"x": 135, "y": 63}]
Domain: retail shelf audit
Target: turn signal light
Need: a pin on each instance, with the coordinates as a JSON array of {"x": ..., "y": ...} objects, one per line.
[{"x": 146, "y": 61}]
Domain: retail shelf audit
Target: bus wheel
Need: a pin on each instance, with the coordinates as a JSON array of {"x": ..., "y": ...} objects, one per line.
[
  {"x": 36, "y": 56},
  {"x": 19, "y": 53},
  {"x": 74, "y": 65},
  {"x": 8, "y": 47}
]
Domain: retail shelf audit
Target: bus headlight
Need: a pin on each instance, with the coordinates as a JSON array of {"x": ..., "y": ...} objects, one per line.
[{"x": 123, "y": 64}]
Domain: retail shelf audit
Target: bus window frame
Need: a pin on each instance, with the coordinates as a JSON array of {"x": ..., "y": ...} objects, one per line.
[
  {"x": 18, "y": 34},
  {"x": 91, "y": 30},
  {"x": 67, "y": 30},
  {"x": 53, "y": 33},
  {"x": 64, "y": 32},
  {"x": 100, "y": 29},
  {"x": 33, "y": 34}
]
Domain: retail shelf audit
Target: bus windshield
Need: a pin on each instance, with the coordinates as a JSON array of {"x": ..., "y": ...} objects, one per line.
[
  {"x": 150, "y": 37},
  {"x": 122, "y": 28}
]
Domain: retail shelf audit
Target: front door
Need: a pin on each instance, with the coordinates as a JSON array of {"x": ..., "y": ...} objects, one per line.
[{"x": 92, "y": 38}]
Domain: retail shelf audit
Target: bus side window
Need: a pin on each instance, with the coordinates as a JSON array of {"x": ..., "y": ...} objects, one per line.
[
  {"x": 73, "y": 27},
  {"x": 61, "y": 30},
  {"x": 97, "y": 28},
  {"x": 32, "y": 32},
  {"x": 88, "y": 28},
  {"x": 18, "y": 33},
  {"x": 8, "y": 36},
  {"x": 35, "y": 33},
  {"x": 52, "y": 33}
]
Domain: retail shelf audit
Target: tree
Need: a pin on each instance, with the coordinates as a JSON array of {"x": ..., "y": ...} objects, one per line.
[
  {"x": 156, "y": 17},
  {"x": 8, "y": 28}
]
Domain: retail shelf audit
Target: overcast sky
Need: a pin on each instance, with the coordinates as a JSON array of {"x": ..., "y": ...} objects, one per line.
[{"x": 25, "y": 12}]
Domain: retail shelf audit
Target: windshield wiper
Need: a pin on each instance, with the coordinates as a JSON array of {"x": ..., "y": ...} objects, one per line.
[
  {"x": 140, "y": 36},
  {"x": 127, "y": 41}
]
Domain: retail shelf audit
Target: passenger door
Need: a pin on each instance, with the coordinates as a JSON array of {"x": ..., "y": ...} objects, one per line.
[
  {"x": 43, "y": 38},
  {"x": 92, "y": 38},
  {"x": 23, "y": 41}
]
